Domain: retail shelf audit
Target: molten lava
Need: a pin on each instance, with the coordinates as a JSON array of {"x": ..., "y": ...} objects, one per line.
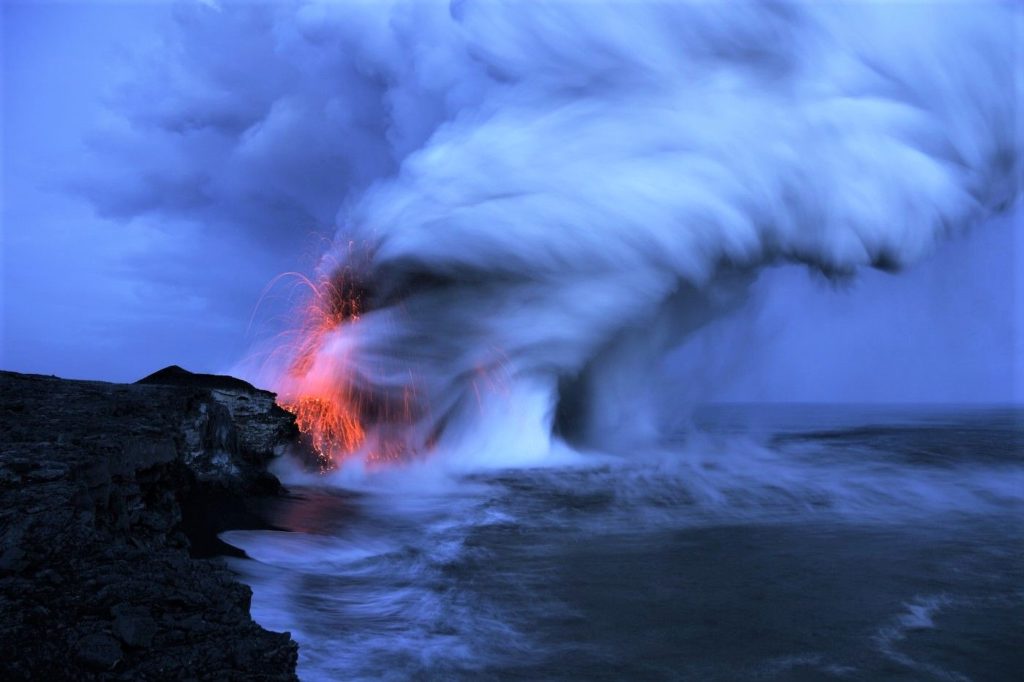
[
  {"x": 319, "y": 388},
  {"x": 331, "y": 426}
]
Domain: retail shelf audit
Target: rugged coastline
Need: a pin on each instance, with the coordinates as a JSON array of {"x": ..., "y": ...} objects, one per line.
[{"x": 111, "y": 496}]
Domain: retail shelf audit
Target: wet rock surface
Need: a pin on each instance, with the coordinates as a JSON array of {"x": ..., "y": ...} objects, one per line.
[{"x": 111, "y": 496}]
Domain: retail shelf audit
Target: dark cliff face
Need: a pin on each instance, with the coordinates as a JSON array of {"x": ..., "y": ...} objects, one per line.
[{"x": 109, "y": 494}]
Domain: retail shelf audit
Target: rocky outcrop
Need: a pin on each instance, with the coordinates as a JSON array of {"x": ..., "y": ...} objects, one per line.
[
  {"x": 232, "y": 432},
  {"x": 110, "y": 498}
]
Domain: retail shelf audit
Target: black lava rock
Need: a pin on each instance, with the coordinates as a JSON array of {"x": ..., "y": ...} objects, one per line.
[
  {"x": 98, "y": 651},
  {"x": 111, "y": 497},
  {"x": 133, "y": 625},
  {"x": 177, "y": 376}
]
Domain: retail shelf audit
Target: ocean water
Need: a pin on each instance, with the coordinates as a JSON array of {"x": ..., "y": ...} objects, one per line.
[{"x": 758, "y": 543}]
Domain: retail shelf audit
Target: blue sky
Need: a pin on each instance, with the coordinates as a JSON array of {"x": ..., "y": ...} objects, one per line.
[{"x": 91, "y": 289}]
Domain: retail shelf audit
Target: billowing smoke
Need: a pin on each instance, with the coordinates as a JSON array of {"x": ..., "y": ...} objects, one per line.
[{"x": 538, "y": 202}]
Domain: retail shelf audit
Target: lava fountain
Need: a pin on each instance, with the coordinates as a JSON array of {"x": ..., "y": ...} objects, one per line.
[{"x": 337, "y": 412}]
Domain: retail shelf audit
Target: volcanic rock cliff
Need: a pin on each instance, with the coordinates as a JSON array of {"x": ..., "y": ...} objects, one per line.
[{"x": 111, "y": 496}]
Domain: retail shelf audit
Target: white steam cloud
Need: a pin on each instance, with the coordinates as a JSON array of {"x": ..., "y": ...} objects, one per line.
[{"x": 542, "y": 199}]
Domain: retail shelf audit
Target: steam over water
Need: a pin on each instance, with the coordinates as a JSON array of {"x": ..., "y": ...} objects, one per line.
[
  {"x": 828, "y": 543},
  {"x": 581, "y": 186},
  {"x": 537, "y": 205}
]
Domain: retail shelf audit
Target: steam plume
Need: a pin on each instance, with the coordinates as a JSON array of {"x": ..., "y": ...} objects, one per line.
[
  {"x": 539, "y": 201},
  {"x": 619, "y": 171}
]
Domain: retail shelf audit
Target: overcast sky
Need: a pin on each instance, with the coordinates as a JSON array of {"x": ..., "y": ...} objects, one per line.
[
  {"x": 113, "y": 296},
  {"x": 113, "y": 285}
]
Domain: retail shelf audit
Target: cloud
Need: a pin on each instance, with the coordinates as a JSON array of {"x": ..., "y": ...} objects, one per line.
[
  {"x": 261, "y": 119},
  {"x": 610, "y": 154}
]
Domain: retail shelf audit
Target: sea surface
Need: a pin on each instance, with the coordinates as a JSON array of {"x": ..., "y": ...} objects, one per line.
[{"x": 759, "y": 543}]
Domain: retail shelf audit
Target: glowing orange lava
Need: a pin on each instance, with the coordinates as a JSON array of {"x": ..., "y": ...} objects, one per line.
[
  {"x": 318, "y": 387},
  {"x": 337, "y": 412}
]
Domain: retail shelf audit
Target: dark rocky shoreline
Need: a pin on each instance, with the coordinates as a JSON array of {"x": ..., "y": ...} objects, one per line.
[{"x": 111, "y": 496}]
